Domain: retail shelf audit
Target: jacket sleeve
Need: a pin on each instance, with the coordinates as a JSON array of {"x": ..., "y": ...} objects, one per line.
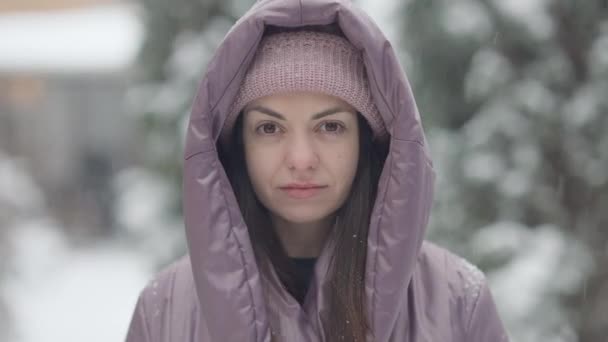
[
  {"x": 484, "y": 324},
  {"x": 138, "y": 329}
]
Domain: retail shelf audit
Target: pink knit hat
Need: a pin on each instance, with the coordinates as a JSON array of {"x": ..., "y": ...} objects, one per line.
[{"x": 307, "y": 61}]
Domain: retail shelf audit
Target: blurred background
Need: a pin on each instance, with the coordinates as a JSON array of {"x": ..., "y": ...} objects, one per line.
[{"x": 94, "y": 98}]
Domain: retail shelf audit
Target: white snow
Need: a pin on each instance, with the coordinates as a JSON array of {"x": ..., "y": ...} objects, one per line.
[
  {"x": 466, "y": 18},
  {"x": 483, "y": 167},
  {"x": 143, "y": 206},
  {"x": 385, "y": 14},
  {"x": 584, "y": 107},
  {"x": 598, "y": 57},
  {"x": 503, "y": 238},
  {"x": 489, "y": 71},
  {"x": 547, "y": 263},
  {"x": 92, "y": 39},
  {"x": 17, "y": 191},
  {"x": 516, "y": 183},
  {"x": 535, "y": 97},
  {"x": 55, "y": 291},
  {"x": 532, "y": 14},
  {"x": 58, "y": 293},
  {"x": 142, "y": 198}
]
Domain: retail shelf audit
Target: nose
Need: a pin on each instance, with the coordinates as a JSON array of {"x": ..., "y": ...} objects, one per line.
[{"x": 301, "y": 154}]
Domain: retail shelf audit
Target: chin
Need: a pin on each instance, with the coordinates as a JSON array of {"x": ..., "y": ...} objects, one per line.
[{"x": 302, "y": 215}]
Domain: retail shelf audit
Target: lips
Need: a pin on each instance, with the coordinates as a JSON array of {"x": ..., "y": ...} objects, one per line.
[{"x": 302, "y": 191}]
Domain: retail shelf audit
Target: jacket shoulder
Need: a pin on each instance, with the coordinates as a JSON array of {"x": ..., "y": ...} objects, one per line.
[
  {"x": 168, "y": 299},
  {"x": 467, "y": 292},
  {"x": 465, "y": 279}
]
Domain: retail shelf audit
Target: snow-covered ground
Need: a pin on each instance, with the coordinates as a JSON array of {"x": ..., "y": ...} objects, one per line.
[
  {"x": 53, "y": 290},
  {"x": 60, "y": 293}
]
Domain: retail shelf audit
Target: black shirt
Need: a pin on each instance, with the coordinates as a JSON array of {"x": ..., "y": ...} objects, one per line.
[{"x": 304, "y": 269}]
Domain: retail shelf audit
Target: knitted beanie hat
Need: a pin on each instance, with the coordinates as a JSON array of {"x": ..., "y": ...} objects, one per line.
[{"x": 307, "y": 61}]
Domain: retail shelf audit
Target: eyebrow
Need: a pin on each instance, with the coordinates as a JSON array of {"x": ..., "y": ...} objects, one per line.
[{"x": 317, "y": 116}]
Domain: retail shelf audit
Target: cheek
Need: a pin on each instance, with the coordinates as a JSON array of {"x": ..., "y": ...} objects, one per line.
[
  {"x": 259, "y": 167},
  {"x": 345, "y": 165}
]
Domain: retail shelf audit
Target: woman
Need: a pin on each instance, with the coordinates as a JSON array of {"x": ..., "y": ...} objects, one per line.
[{"x": 307, "y": 190}]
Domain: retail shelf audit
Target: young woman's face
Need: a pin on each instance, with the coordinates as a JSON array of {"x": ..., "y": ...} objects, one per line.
[{"x": 301, "y": 151}]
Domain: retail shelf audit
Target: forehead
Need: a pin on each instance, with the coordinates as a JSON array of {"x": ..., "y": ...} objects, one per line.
[{"x": 299, "y": 103}]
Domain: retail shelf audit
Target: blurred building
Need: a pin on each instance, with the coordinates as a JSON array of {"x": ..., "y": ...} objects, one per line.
[
  {"x": 40, "y": 5},
  {"x": 65, "y": 66}
]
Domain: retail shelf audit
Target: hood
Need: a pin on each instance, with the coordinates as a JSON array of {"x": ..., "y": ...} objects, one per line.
[{"x": 226, "y": 276}]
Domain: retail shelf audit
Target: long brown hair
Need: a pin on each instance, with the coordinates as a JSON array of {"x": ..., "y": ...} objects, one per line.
[{"x": 346, "y": 319}]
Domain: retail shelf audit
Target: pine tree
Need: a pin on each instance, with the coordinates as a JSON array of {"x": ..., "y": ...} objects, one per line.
[{"x": 516, "y": 94}]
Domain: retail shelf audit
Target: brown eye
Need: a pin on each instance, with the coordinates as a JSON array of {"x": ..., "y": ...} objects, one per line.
[
  {"x": 267, "y": 128},
  {"x": 332, "y": 127}
]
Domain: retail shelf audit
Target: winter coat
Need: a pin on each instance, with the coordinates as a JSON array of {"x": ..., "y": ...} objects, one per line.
[{"x": 415, "y": 291}]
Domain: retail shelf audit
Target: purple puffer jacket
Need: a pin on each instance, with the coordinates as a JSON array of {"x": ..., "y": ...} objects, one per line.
[{"x": 415, "y": 290}]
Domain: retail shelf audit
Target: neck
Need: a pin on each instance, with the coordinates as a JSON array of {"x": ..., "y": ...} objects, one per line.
[{"x": 302, "y": 240}]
